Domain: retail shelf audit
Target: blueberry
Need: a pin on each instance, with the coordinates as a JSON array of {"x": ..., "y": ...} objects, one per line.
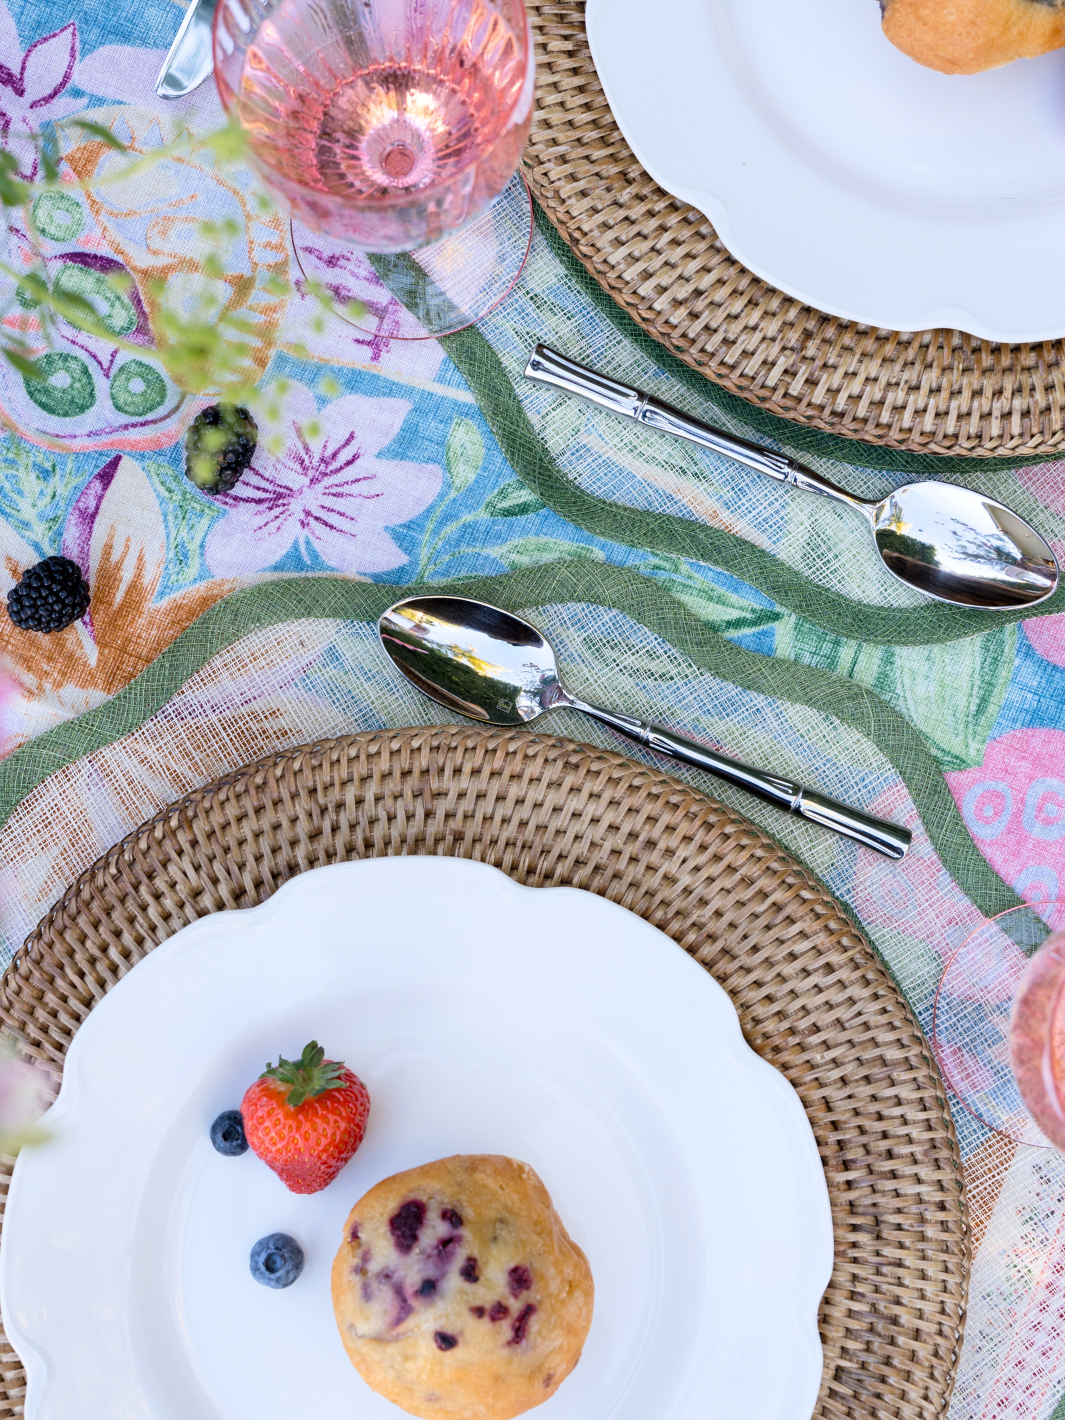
[
  {"x": 521, "y": 1323},
  {"x": 451, "y": 1217},
  {"x": 428, "y": 1288},
  {"x": 406, "y": 1224},
  {"x": 469, "y": 1271},
  {"x": 445, "y": 1341},
  {"x": 276, "y": 1260},
  {"x": 227, "y": 1133},
  {"x": 520, "y": 1279}
]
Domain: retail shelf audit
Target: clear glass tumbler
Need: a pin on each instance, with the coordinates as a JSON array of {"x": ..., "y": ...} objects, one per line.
[{"x": 386, "y": 124}]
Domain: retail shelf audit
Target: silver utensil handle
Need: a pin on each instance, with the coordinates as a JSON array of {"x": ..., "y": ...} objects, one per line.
[
  {"x": 891, "y": 839},
  {"x": 548, "y": 367}
]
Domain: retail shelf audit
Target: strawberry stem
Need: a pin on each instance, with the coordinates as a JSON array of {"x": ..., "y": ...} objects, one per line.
[{"x": 312, "y": 1074}]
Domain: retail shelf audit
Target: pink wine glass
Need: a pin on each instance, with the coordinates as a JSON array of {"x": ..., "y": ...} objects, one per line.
[
  {"x": 998, "y": 1024},
  {"x": 1037, "y": 1038},
  {"x": 388, "y": 125}
]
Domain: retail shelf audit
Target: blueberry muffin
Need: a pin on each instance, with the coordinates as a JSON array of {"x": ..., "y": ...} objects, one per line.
[
  {"x": 457, "y": 1291},
  {"x": 966, "y": 36}
]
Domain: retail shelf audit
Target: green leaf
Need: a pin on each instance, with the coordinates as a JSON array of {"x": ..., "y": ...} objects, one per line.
[
  {"x": 227, "y": 143},
  {"x": 513, "y": 500},
  {"x": 31, "y": 291},
  {"x": 728, "y": 613},
  {"x": 12, "y": 192},
  {"x": 664, "y": 562},
  {"x": 951, "y": 693},
  {"x": 463, "y": 453},
  {"x": 534, "y": 551},
  {"x": 97, "y": 130},
  {"x": 26, "y": 367}
]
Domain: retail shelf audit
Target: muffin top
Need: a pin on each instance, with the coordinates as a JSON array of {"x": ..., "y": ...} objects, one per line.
[{"x": 458, "y": 1292}]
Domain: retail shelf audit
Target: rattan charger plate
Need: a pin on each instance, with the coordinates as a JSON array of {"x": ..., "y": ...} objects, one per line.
[
  {"x": 811, "y": 995},
  {"x": 938, "y": 392}
]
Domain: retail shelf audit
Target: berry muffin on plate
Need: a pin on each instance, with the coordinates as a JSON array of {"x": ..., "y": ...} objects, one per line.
[
  {"x": 458, "y": 1293},
  {"x": 966, "y": 36}
]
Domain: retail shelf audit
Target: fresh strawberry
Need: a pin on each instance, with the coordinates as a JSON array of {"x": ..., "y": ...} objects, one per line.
[{"x": 305, "y": 1118}]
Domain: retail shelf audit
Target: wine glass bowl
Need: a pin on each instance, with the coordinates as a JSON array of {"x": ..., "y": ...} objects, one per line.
[
  {"x": 1037, "y": 1038},
  {"x": 386, "y": 124},
  {"x": 994, "y": 1035}
]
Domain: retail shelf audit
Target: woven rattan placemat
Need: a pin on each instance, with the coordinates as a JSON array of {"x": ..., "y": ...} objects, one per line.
[
  {"x": 938, "y": 392},
  {"x": 812, "y": 997}
]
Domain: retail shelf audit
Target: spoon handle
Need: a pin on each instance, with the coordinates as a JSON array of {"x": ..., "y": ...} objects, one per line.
[
  {"x": 547, "y": 367},
  {"x": 891, "y": 839}
]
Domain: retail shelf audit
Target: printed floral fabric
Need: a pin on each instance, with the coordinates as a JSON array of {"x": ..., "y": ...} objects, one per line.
[{"x": 377, "y": 462}]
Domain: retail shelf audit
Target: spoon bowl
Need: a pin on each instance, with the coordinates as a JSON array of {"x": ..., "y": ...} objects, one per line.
[
  {"x": 958, "y": 546},
  {"x": 473, "y": 658},
  {"x": 491, "y": 666}
]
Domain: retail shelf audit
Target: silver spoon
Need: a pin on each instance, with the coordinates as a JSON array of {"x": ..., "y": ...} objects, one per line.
[
  {"x": 490, "y": 665},
  {"x": 951, "y": 543}
]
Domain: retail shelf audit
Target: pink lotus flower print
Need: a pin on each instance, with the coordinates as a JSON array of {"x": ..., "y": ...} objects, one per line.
[{"x": 325, "y": 490}]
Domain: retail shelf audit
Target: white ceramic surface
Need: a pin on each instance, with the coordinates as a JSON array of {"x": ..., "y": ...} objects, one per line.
[
  {"x": 484, "y": 1017},
  {"x": 840, "y": 170}
]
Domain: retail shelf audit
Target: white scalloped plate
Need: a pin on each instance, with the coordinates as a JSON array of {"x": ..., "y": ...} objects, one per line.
[
  {"x": 841, "y": 171},
  {"x": 484, "y": 1017}
]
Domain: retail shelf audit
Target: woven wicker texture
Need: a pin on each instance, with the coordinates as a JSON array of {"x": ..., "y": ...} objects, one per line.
[
  {"x": 812, "y": 997},
  {"x": 940, "y": 391}
]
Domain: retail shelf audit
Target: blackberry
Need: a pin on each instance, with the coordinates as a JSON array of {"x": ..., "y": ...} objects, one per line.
[
  {"x": 51, "y": 595},
  {"x": 219, "y": 446}
]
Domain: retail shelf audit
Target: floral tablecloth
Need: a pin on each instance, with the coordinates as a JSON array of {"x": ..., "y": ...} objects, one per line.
[{"x": 674, "y": 582}]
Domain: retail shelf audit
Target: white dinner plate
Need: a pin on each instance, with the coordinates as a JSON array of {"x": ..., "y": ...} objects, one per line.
[
  {"x": 484, "y": 1017},
  {"x": 840, "y": 170}
]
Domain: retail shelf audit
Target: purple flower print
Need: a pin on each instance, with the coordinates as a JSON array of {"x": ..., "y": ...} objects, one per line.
[
  {"x": 325, "y": 490},
  {"x": 32, "y": 87}
]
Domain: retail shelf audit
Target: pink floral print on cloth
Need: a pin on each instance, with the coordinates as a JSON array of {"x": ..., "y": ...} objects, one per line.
[
  {"x": 896, "y": 895},
  {"x": 325, "y": 489},
  {"x": 94, "y": 392},
  {"x": 1045, "y": 481},
  {"x": 1047, "y": 633},
  {"x": 1014, "y": 807}
]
